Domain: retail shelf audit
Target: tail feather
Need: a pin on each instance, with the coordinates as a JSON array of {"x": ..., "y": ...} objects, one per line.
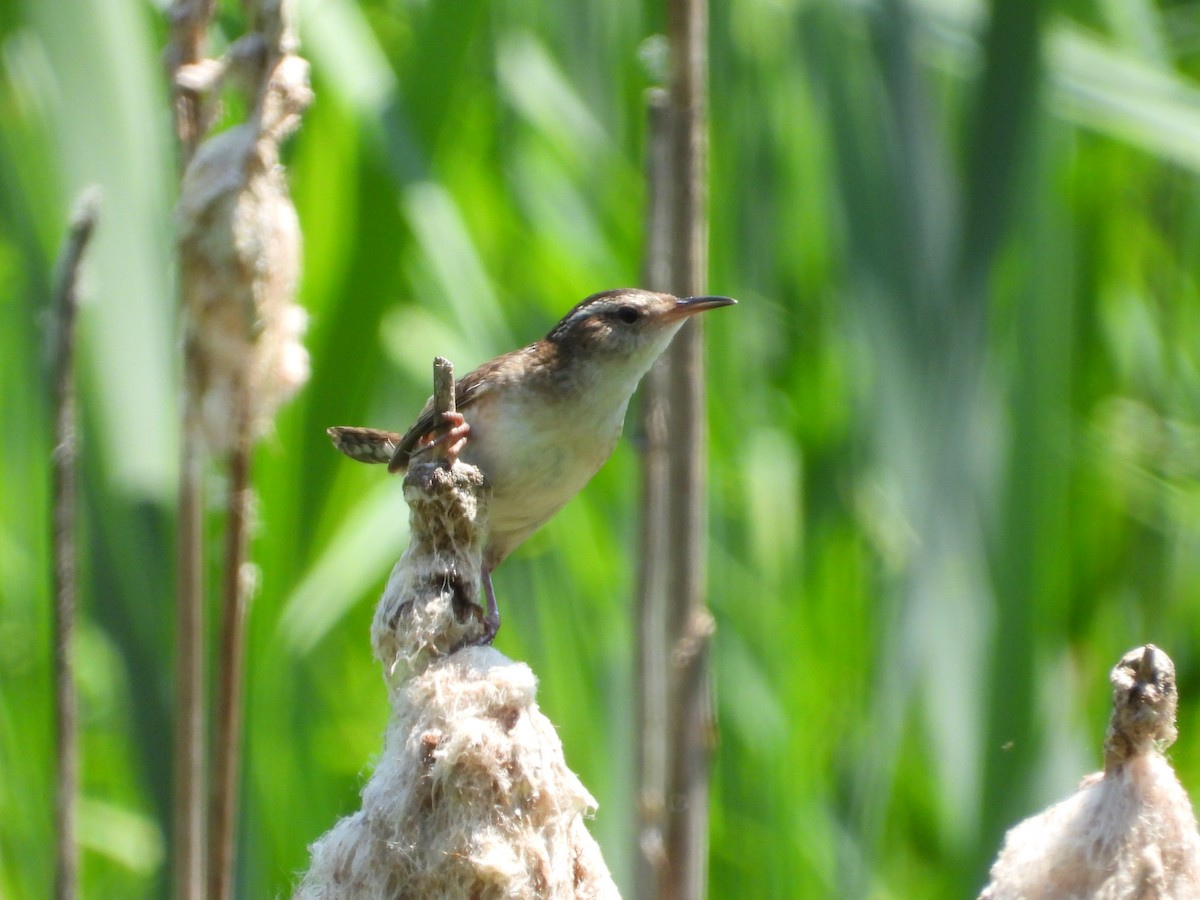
[{"x": 367, "y": 445}]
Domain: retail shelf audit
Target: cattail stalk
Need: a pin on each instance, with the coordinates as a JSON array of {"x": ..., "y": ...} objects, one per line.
[
  {"x": 239, "y": 259},
  {"x": 186, "y": 47},
  {"x": 673, "y": 831}
]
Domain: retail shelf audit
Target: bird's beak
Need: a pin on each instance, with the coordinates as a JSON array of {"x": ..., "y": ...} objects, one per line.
[{"x": 688, "y": 306}]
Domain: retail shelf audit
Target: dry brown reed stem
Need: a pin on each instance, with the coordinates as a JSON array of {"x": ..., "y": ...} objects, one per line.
[
  {"x": 189, "y": 27},
  {"x": 471, "y": 796},
  {"x": 673, "y": 835},
  {"x": 189, "y": 777},
  {"x": 240, "y": 261},
  {"x": 1128, "y": 832},
  {"x": 189, "y": 21},
  {"x": 239, "y": 256},
  {"x": 65, "y": 509},
  {"x": 237, "y": 580}
]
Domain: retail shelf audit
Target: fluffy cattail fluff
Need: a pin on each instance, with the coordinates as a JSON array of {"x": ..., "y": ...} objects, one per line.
[
  {"x": 239, "y": 249},
  {"x": 471, "y": 796},
  {"x": 1127, "y": 832}
]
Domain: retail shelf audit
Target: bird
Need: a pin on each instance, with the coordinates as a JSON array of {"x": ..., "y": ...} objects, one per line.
[{"x": 541, "y": 420}]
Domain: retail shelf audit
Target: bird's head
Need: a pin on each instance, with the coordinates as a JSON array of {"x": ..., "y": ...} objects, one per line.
[{"x": 627, "y": 325}]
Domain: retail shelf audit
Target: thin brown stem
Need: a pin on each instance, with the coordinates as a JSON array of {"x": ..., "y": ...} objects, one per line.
[
  {"x": 64, "y": 498},
  {"x": 689, "y": 622},
  {"x": 188, "y": 824},
  {"x": 443, "y": 385},
  {"x": 676, "y": 718},
  {"x": 235, "y": 601},
  {"x": 188, "y": 28}
]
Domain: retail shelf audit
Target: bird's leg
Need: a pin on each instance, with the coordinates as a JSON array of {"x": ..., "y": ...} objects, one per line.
[
  {"x": 491, "y": 619},
  {"x": 454, "y": 437}
]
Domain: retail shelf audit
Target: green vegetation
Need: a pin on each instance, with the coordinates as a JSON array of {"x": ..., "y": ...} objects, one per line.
[{"x": 955, "y": 447}]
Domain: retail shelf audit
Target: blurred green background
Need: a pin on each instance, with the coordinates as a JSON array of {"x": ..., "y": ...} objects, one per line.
[{"x": 955, "y": 440}]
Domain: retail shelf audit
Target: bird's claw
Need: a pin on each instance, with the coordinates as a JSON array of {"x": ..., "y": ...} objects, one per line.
[
  {"x": 451, "y": 440},
  {"x": 491, "y": 616}
]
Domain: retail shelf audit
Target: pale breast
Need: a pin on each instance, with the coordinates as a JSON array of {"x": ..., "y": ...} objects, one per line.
[{"x": 537, "y": 457}]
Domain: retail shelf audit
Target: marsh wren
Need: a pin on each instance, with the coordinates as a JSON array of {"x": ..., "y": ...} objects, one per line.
[{"x": 539, "y": 422}]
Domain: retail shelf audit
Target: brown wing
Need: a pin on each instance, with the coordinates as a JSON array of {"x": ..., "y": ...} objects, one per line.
[
  {"x": 368, "y": 445},
  {"x": 467, "y": 390}
]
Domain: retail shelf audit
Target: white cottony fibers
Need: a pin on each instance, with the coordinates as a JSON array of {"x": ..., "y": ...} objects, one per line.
[
  {"x": 1127, "y": 832},
  {"x": 471, "y": 796},
  {"x": 239, "y": 251}
]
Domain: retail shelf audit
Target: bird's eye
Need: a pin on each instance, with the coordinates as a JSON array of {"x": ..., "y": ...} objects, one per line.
[{"x": 628, "y": 314}]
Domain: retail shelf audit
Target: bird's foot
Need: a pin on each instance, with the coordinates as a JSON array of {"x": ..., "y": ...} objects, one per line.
[
  {"x": 491, "y": 617},
  {"x": 451, "y": 436},
  {"x": 491, "y": 624}
]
